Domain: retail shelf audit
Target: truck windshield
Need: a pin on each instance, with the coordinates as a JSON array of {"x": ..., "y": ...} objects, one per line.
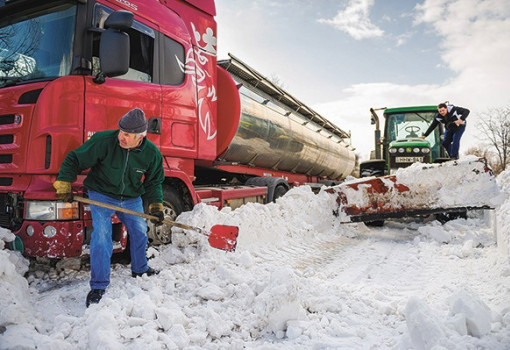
[
  {"x": 37, "y": 45},
  {"x": 401, "y": 126}
]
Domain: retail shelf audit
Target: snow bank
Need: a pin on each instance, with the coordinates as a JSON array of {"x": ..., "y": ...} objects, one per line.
[
  {"x": 503, "y": 215},
  {"x": 299, "y": 279},
  {"x": 464, "y": 182},
  {"x": 15, "y": 306}
]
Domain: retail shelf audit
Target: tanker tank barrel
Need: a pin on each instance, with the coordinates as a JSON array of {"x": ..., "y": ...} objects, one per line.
[{"x": 277, "y": 131}]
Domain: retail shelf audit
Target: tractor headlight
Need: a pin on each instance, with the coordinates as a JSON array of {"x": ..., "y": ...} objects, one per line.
[
  {"x": 401, "y": 150},
  {"x": 425, "y": 150},
  {"x": 392, "y": 150},
  {"x": 51, "y": 210}
]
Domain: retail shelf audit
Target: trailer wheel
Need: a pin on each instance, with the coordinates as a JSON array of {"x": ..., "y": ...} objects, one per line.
[
  {"x": 276, "y": 186},
  {"x": 173, "y": 205},
  {"x": 279, "y": 191}
]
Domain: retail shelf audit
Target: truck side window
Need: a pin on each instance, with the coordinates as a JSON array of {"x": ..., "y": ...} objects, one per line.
[
  {"x": 173, "y": 53},
  {"x": 141, "y": 57}
]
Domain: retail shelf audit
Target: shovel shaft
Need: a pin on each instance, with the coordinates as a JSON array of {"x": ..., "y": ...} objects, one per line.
[
  {"x": 132, "y": 212},
  {"x": 221, "y": 236}
]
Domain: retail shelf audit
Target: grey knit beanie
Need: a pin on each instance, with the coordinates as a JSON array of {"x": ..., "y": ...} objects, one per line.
[{"x": 133, "y": 122}]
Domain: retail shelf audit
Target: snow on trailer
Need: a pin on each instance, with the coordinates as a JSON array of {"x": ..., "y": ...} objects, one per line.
[{"x": 421, "y": 189}]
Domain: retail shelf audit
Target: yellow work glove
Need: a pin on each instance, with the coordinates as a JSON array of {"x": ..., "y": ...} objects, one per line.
[
  {"x": 156, "y": 209},
  {"x": 64, "y": 192}
]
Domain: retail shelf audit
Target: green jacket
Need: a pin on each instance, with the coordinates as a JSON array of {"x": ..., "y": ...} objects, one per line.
[{"x": 115, "y": 171}]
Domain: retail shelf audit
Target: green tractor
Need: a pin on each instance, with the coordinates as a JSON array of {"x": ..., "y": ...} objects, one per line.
[{"x": 401, "y": 145}]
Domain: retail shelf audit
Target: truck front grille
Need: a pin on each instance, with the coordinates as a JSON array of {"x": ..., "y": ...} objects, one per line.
[
  {"x": 6, "y": 181},
  {"x": 4, "y": 215},
  {"x": 5, "y": 220},
  {"x": 6, "y": 139},
  {"x": 7, "y": 119},
  {"x": 5, "y": 158}
]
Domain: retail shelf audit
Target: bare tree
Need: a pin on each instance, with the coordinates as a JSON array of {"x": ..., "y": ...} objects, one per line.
[
  {"x": 495, "y": 126},
  {"x": 483, "y": 151}
]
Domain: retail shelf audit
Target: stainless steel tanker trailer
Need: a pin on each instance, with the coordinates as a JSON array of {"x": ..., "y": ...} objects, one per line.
[{"x": 279, "y": 142}]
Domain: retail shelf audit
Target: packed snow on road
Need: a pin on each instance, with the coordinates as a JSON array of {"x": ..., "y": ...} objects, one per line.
[{"x": 299, "y": 279}]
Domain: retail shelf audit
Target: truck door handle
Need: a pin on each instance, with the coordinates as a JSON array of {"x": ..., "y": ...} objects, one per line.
[{"x": 154, "y": 126}]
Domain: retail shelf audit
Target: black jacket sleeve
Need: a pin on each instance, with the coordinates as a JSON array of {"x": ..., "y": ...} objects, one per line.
[
  {"x": 432, "y": 126},
  {"x": 462, "y": 112}
]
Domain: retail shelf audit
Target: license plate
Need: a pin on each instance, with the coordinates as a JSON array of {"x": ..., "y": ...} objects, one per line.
[{"x": 408, "y": 159}]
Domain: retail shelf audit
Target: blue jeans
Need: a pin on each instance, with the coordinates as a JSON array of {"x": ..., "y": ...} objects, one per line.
[
  {"x": 101, "y": 243},
  {"x": 452, "y": 140}
]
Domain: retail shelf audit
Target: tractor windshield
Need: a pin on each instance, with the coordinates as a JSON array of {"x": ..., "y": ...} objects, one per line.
[
  {"x": 408, "y": 125},
  {"x": 36, "y": 45}
]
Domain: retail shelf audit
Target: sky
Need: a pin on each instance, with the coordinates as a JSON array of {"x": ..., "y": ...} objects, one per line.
[
  {"x": 298, "y": 280},
  {"x": 343, "y": 57}
]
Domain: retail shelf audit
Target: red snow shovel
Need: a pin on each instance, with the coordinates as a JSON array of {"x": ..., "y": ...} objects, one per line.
[{"x": 220, "y": 237}]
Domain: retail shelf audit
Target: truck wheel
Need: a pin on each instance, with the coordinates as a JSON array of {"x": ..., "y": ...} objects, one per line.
[
  {"x": 173, "y": 205},
  {"x": 172, "y": 201}
]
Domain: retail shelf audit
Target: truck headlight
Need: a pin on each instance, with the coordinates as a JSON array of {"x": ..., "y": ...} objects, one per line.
[
  {"x": 401, "y": 150},
  {"x": 392, "y": 150},
  {"x": 425, "y": 150},
  {"x": 51, "y": 210}
]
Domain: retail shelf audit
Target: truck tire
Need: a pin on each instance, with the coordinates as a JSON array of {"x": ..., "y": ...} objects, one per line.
[
  {"x": 173, "y": 205},
  {"x": 172, "y": 201}
]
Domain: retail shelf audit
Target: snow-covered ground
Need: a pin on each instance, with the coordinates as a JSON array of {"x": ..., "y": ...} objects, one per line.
[{"x": 299, "y": 279}]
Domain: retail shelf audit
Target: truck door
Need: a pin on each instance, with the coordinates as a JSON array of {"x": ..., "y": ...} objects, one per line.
[
  {"x": 179, "y": 114},
  {"x": 106, "y": 102}
]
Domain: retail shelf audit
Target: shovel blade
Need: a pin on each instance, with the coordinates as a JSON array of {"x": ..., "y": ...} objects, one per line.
[{"x": 224, "y": 237}]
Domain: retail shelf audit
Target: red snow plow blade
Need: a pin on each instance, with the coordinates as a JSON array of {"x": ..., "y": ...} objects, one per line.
[{"x": 421, "y": 189}]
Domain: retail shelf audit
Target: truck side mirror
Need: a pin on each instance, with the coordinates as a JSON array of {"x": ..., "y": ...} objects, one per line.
[
  {"x": 372, "y": 120},
  {"x": 114, "y": 47}
]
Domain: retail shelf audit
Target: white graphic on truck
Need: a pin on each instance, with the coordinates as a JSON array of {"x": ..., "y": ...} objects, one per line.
[{"x": 195, "y": 66}]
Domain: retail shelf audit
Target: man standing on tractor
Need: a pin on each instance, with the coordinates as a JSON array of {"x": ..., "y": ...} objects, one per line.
[
  {"x": 454, "y": 120},
  {"x": 123, "y": 165}
]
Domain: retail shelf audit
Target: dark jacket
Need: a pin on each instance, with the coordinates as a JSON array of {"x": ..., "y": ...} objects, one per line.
[
  {"x": 454, "y": 113},
  {"x": 115, "y": 171}
]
